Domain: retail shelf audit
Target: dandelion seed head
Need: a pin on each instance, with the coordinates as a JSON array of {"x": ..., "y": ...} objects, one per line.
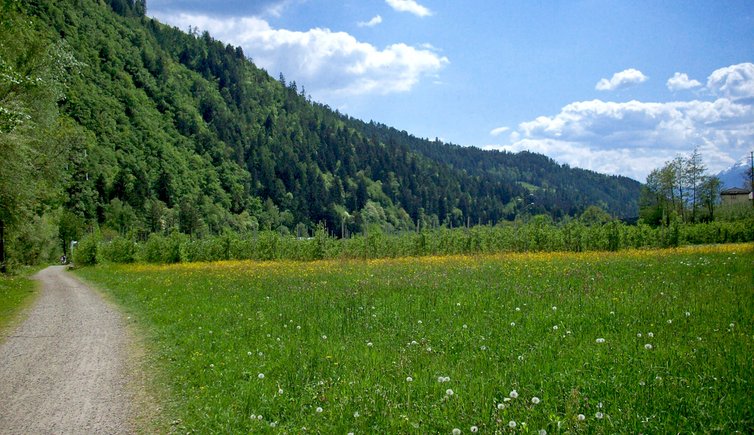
[
  {"x": 581, "y": 417},
  {"x": 600, "y": 340},
  {"x": 513, "y": 394},
  {"x": 542, "y": 432},
  {"x": 535, "y": 400},
  {"x": 409, "y": 379},
  {"x": 260, "y": 376},
  {"x": 369, "y": 344},
  {"x": 456, "y": 431},
  {"x": 554, "y": 308},
  {"x": 555, "y": 328},
  {"x": 513, "y": 323},
  {"x": 280, "y": 391},
  {"x": 650, "y": 334},
  {"x": 324, "y": 337},
  {"x": 474, "y": 429},
  {"x": 500, "y": 406},
  {"x": 319, "y": 409},
  {"x": 511, "y": 424},
  {"x": 449, "y": 392},
  {"x": 648, "y": 346},
  {"x": 599, "y": 415},
  {"x": 356, "y": 414}
]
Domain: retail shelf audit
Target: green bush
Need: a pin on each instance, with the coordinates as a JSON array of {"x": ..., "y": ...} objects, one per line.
[
  {"x": 118, "y": 250},
  {"x": 85, "y": 253}
]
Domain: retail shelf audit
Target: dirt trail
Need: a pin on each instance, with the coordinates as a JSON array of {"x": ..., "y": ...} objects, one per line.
[{"x": 63, "y": 370}]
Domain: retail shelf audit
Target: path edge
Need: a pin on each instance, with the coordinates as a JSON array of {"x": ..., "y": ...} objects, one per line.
[{"x": 147, "y": 413}]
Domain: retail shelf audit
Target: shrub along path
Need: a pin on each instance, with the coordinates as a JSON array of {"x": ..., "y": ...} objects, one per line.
[{"x": 63, "y": 369}]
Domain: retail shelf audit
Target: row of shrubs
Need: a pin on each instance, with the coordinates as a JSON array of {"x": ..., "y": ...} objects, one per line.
[{"x": 536, "y": 235}]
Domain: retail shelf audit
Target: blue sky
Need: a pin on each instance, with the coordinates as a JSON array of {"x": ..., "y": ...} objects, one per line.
[{"x": 614, "y": 86}]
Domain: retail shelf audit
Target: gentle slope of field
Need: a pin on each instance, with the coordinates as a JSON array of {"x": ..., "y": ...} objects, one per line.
[{"x": 650, "y": 341}]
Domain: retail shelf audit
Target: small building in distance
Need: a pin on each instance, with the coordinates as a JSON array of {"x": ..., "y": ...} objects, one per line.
[{"x": 735, "y": 195}]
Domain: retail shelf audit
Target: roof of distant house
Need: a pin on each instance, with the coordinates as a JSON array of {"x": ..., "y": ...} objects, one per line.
[{"x": 735, "y": 191}]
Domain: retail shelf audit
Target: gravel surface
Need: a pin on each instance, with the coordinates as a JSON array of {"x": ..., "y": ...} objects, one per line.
[{"x": 63, "y": 370}]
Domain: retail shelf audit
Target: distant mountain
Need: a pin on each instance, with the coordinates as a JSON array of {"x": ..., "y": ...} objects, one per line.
[
  {"x": 174, "y": 130},
  {"x": 736, "y": 175}
]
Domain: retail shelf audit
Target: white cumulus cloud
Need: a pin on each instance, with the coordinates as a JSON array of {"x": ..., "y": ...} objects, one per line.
[
  {"x": 681, "y": 82},
  {"x": 632, "y": 138},
  {"x": 371, "y": 23},
  {"x": 734, "y": 82},
  {"x": 328, "y": 63},
  {"x": 410, "y": 6},
  {"x": 499, "y": 130},
  {"x": 621, "y": 80}
]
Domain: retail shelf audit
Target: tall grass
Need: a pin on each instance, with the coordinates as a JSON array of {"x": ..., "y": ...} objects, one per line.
[
  {"x": 651, "y": 341},
  {"x": 16, "y": 291}
]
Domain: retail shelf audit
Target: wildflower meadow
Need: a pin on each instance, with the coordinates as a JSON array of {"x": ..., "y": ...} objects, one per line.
[{"x": 650, "y": 341}]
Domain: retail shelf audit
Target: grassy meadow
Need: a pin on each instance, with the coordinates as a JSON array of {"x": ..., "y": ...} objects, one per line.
[
  {"x": 651, "y": 341},
  {"x": 15, "y": 294}
]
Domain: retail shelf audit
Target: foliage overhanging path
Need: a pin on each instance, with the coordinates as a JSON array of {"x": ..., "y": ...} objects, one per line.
[{"x": 63, "y": 370}]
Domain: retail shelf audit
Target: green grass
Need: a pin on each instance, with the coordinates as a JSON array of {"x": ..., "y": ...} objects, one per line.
[
  {"x": 15, "y": 294},
  {"x": 345, "y": 337}
]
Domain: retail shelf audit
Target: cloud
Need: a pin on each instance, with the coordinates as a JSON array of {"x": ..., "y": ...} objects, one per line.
[
  {"x": 498, "y": 131},
  {"x": 632, "y": 138},
  {"x": 681, "y": 82},
  {"x": 621, "y": 80},
  {"x": 410, "y": 6},
  {"x": 329, "y": 64},
  {"x": 371, "y": 23},
  {"x": 735, "y": 82}
]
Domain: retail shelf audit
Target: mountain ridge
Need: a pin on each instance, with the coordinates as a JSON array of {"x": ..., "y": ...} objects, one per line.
[{"x": 179, "y": 130}]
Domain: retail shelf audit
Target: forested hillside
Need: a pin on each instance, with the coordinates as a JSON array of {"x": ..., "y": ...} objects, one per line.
[{"x": 111, "y": 119}]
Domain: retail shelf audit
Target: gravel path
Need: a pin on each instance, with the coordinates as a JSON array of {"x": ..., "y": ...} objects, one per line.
[{"x": 63, "y": 369}]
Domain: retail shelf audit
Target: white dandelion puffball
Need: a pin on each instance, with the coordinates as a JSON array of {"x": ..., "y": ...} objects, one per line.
[
  {"x": 324, "y": 337},
  {"x": 600, "y": 340},
  {"x": 474, "y": 429},
  {"x": 518, "y": 309},
  {"x": 581, "y": 417},
  {"x": 260, "y": 417},
  {"x": 648, "y": 346},
  {"x": 449, "y": 392},
  {"x": 650, "y": 334},
  {"x": 554, "y": 308},
  {"x": 599, "y": 415},
  {"x": 513, "y": 394},
  {"x": 319, "y": 409},
  {"x": 513, "y": 323},
  {"x": 356, "y": 414},
  {"x": 542, "y": 432},
  {"x": 409, "y": 379},
  {"x": 535, "y": 400},
  {"x": 555, "y": 328},
  {"x": 511, "y": 424},
  {"x": 500, "y": 406},
  {"x": 273, "y": 424},
  {"x": 369, "y": 344},
  {"x": 260, "y": 376},
  {"x": 456, "y": 431},
  {"x": 280, "y": 391}
]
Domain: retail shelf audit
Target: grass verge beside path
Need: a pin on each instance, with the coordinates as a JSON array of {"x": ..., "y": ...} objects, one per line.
[
  {"x": 16, "y": 293},
  {"x": 652, "y": 341}
]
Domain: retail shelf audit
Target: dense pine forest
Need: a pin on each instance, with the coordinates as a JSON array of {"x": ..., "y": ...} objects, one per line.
[{"x": 111, "y": 120}]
